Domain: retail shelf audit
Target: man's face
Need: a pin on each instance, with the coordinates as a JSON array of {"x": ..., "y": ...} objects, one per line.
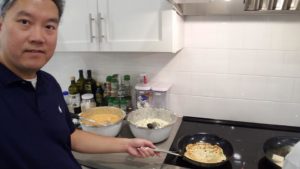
[{"x": 28, "y": 34}]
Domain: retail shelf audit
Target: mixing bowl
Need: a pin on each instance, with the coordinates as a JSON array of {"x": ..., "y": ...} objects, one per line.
[
  {"x": 151, "y": 124},
  {"x": 108, "y": 120}
]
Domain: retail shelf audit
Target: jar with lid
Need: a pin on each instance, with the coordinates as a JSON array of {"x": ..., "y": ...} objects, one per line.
[
  {"x": 160, "y": 93},
  {"x": 88, "y": 101}
]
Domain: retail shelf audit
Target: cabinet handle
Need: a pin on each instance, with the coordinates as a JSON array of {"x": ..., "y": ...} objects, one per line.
[
  {"x": 100, "y": 18},
  {"x": 91, "y": 19}
]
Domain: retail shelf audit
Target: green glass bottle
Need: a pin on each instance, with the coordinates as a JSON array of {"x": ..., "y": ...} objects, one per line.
[
  {"x": 127, "y": 92},
  {"x": 114, "y": 87},
  {"x": 107, "y": 90},
  {"x": 99, "y": 95},
  {"x": 74, "y": 96},
  {"x": 90, "y": 83},
  {"x": 80, "y": 82}
]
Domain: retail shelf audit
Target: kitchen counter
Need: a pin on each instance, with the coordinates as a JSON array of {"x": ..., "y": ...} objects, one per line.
[{"x": 124, "y": 161}]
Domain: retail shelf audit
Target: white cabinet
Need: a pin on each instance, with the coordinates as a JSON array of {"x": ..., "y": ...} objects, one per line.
[
  {"x": 120, "y": 25},
  {"x": 76, "y": 27}
]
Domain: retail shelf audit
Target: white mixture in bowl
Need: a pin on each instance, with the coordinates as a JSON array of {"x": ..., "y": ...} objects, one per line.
[{"x": 159, "y": 122}]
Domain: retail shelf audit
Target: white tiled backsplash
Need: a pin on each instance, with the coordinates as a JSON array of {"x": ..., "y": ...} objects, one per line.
[{"x": 232, "y": 67}]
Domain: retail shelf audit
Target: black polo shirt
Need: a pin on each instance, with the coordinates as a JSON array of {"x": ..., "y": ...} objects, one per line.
[{"x": 35, "y": 124}]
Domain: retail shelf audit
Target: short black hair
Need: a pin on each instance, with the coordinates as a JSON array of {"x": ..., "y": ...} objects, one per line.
[{"x": 6, "y": 4}]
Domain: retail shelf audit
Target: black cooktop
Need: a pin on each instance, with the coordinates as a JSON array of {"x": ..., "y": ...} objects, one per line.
[{"x": 247, "y": 140}]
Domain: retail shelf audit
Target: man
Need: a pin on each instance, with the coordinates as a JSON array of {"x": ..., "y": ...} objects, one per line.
[{"x": 35, "y": 126}]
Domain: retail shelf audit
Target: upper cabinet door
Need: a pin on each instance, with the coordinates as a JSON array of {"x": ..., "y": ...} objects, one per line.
[
  {"x": 120, "y": 25},
  {"x": 140, "y": 26},
  {"x": 78, "y": 27}
]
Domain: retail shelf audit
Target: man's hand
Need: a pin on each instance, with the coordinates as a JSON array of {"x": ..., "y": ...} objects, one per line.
[{"x": 141, "y": 148}]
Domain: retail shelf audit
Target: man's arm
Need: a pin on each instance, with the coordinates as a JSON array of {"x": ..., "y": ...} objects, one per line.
[{"x": 86, "y": 142}]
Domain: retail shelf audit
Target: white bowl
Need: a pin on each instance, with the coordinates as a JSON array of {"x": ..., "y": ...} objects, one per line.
[
  {"x": 109, "y": 129},
  {"x": 155, "y": 135}
]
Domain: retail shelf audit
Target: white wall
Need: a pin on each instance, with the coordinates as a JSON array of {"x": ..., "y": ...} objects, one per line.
[{"x": 237, "y": 68}]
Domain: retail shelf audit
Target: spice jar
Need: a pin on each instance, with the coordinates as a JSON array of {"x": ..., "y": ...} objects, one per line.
[{"x": 88, "y": 101}]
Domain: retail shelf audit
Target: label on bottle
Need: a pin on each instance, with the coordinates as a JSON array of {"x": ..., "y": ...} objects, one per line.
[
  {"x": 88, "y": 88},
  {"x": 74, "y": 100}
]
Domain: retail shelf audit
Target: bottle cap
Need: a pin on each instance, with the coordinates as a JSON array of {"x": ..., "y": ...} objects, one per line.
[
  {"x": 108, "y": 78},
  {"x": 87, "y": 96},
  {"x": 89, "y": 73},
  {"x": 126, "y": 77},
  {"x": 72, "y": 78},
  {"x": 115, "y": 75},
  {"x": 65, "y": 93},
  {"x": 143, "y": 78}
]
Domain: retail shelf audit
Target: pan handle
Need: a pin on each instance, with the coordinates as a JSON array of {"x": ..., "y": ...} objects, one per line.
[{"x": 166, "y": 151}]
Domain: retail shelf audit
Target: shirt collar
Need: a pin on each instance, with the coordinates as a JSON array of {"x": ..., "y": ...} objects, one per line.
[{"x": 8, "y": 77}]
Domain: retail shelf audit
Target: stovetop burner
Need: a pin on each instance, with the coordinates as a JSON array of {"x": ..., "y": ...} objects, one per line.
[{"x": 247, "y": 140}]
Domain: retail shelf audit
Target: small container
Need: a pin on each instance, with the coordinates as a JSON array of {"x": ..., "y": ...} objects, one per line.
[
  {"x": 159, "y": 99},
  {"x": 143, "y": 96},
  {"x": 88, "y": 101}
]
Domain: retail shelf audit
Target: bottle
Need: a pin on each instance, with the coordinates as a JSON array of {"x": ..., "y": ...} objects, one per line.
[
  {"x": 90, "y": 83},
  {"x": 114, "y": 87},
  {"x": 108, "y": 83},
  {"x": 107, "y": 90},
  {"x": 66, "y": 97},
  {"x": 80, "y": 82},
  {"x": 127, "y": 89},
  {"x": 87, "y": 101},
  {"x": 110, "y": 101},
  {"x": 127, "y": 85},
  {"x": 116, "y": 103},
  {"x": 121, "y": 89},
  {"x": 123, "y": 104},
  {"x": 74, "y": 96},
  {"x": 99, "y": 95}
]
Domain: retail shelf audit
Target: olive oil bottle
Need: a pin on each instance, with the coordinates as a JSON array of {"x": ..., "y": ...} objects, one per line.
[
  {"x": 90, "y": 83},
  {"x": 74, "y": 96},
  {"x": 99, "y": 95},
  {"x": 80, "y": 82}
]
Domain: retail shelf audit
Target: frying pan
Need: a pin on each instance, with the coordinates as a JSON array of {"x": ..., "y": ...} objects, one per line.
[
  {"x": 207, "y": 138},
  {"x": 276, "y": 148}
]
